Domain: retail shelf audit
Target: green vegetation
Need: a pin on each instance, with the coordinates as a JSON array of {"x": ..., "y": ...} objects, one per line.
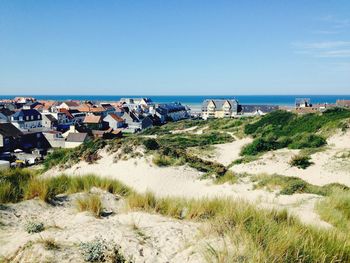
[
  {"x": 335, "y": 209},
  {"x": 13, "y": 184},
  {"x": 90, "y": 203},
  {"x": 301, "y": 161},
  {"x": 228, "y": 177},
  {"x": 33, "y": 227},
  {"x": 17, "y": 185},
  {"x": 281, "y": 129},
  {"x": 292, "y": 185},
  {"x": 88, "y": 152}
]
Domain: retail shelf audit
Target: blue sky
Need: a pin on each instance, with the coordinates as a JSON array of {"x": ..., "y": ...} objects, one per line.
[{"x": 174, "y": 47}]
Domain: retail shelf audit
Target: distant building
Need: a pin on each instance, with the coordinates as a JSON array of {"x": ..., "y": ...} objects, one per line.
[
  {"x": 93, "y": 122},
  {"x": 256, "y": 110},
  {"x": 302, "y": 102},
  {"x": 172, "y": 112},
  {"x": 219, "y": 108},
  {"x": 10, "y": 137},
  {"x": 114, "y": 121},
  {"x": 49, "y": 121},
  {"x": 136, "y": 122},
  {"x": 69, "y": 105},
  {"x": 27, "y": 119},
  {"x": 343, "y": 103},
  {"x": 75, "y": 139}
]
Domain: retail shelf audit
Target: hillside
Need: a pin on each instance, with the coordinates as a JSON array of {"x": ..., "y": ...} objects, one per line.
[{"x": 217, "y": 190}]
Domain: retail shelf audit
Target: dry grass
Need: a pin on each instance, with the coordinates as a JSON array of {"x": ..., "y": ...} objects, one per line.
[{"x": 91, "y": 203}]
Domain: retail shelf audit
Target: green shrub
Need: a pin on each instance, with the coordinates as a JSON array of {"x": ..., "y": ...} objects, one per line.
[
  {"x": 281, "y": 129},
  {"x": 151, "y": 144},
  {"x": 300, "y": 161},
  {"x": 95, "y": 250},
  {"x": 32, "y": 227}
]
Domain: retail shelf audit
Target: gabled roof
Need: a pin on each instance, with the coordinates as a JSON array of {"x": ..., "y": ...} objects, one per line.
[
  {"x": 9, "y": 130},
  {"x": 49, "y": 117},
  {"x": 116, "y": 117},
  {"x": 93, "y": 119},
  {"x": 77, "y": 137},
  {"x": 71, "y": 103},
  {"x": 26, "y": 112},
  {"x": 219, "y": 103}
]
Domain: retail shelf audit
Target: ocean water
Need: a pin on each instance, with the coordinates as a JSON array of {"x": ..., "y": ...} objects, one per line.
[{"x": 285, "y": 100}]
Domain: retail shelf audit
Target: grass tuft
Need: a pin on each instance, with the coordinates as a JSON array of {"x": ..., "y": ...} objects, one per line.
[{"x": 91, "y": 203}]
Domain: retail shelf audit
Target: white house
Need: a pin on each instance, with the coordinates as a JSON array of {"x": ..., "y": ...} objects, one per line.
[{"x": 26, "y": 119}]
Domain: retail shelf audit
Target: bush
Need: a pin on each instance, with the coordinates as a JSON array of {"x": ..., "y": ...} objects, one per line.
[
  {"x": 302, "y": 141},
  {"x": 95, "y": 250},
  {"x": 300, "y": 161},
  {"x": 151, "y": 144},
  {"x": 34, "y": 227}
]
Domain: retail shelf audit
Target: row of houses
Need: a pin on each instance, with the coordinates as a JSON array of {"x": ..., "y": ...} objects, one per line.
[
  {"x": 230, "y": 108},
  {"x": 69, "y": 123}
]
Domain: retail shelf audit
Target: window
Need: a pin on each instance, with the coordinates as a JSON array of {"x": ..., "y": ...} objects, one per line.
[
  {"x": 27, "y": 118},
  {"x": 32, "y": 117}
]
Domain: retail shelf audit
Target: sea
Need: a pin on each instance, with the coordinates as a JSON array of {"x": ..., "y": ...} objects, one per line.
[{"x": 195, "y": 101}]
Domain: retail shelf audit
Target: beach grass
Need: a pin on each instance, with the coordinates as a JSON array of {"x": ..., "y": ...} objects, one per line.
[
  {"x": 267, "y": 235},
  {"x": 91, "y": 203}
]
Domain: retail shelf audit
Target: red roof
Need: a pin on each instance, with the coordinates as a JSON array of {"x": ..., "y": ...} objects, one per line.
[
  {"x": 92, "y": 119},
  {"x": 116, "y": 117}
]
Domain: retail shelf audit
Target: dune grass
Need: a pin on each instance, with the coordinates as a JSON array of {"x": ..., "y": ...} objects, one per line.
[
  {"x": 22, "y": 184},
  {"x": 91, "y": 203},
  {"x": 291, "y": 185},
  {"x": 335, "y": 209},
  {"x": 267, "y": 236},
  {"x": 272, "y": 236}
]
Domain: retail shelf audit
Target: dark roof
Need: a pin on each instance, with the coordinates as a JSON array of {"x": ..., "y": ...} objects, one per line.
[
  {"x": 6, "y": 112},
  {"x": 50, "y": 117},
  {"x": 76, "y": 137},
  {"x": 27, "y": 112},
  {"x": 254, "y": 108},
  {"x": 9, "y": 130},
  {"x": 171, "y": 107}
]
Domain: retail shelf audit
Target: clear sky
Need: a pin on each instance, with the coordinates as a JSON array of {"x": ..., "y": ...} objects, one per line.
[{"x": 174, "y": 47}]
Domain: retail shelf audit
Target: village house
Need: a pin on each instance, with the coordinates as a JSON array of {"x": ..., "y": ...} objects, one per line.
[
  {"x": 114, "y": 121},
  {"x": 76, "y": 139},
  {"x": 219, "y": 108},
  {"x": 93, "y": 122},
  {"x": 25, "y": 119},
  {"x": 256, "y": 110},
  {"x": 69, "y": 105},
  {"x": 172, "y": 112},
  {"x": 49, "y": 121},
  {"x": 10, "y": 137},
  {"x": 55, "y": 139},
  {"x": 5, "y": 115},
  {"x": 136, "y": 122}
]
